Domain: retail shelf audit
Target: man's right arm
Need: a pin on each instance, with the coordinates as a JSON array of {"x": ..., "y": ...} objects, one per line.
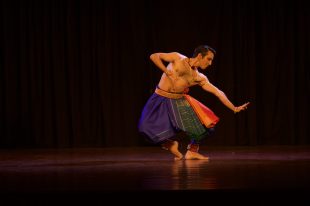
[{"x": 158, "y": 58}]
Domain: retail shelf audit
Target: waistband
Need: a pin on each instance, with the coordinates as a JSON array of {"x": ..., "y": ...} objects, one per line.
[{"x": 168, "y": 94}]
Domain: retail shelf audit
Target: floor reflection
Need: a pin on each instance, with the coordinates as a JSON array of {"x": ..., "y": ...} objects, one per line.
[
  {"x": 192, "y": 174},
  {"x": 146, "y": 169}
]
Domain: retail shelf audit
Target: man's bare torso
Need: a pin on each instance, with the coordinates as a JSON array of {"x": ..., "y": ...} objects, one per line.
[{"x": 183, "y": 76}]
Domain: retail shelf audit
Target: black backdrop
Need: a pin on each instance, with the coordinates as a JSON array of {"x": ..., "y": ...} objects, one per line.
[{"x": 77, "y": 73}]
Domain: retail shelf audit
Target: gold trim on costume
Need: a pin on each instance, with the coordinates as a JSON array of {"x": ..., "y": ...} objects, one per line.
[{"x": 168, "y": 94}]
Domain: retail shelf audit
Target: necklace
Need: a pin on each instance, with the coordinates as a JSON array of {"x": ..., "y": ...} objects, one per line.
[
  {"x": 189, "y": 63},
  {"x": 193, "y": 73}
]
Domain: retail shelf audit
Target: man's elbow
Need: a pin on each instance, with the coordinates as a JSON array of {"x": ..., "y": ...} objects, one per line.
[
  {"x": 153, "y": 56},
  {"x": 218, "y": 93}
]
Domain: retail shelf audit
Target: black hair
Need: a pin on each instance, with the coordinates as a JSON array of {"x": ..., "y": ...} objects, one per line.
[{"x": 203, "y": 50}]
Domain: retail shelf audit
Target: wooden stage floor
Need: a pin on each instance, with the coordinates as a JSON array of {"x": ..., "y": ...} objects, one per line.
[{"x": 267, "y": 170}]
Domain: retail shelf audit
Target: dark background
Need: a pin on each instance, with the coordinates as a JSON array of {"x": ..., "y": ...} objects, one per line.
[{"x": 77, "y": 73}]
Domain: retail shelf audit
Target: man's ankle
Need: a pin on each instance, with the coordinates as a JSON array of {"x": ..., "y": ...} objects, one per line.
[
  {"x": 167, "y": 144},
  {"x": 193, "y": 147}
]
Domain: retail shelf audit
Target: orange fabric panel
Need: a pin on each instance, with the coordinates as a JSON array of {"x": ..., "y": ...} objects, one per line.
[{"x": 206, "y": 116}]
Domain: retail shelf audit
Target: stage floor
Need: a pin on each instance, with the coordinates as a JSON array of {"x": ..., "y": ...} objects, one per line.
[{"x": 151, "y": 169}]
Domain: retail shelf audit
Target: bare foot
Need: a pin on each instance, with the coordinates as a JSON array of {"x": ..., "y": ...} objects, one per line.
[
  {"x": 173, "y": 148},
  {"x": 195, "y": 156}
]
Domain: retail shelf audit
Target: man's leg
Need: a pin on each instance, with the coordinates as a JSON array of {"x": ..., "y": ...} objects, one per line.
[{"x": 173, "y": 147}]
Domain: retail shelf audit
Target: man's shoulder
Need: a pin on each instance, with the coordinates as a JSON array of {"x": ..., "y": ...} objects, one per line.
[
  {"x": 202, "y": 76},
  {"x": 180, "y": 56}
]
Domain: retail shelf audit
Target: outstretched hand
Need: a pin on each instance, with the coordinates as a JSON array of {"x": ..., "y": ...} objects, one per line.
[{"x": 242, "y": 107}]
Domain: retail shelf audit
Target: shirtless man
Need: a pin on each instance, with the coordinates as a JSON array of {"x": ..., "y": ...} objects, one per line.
[{"x": 180, "y": 73}]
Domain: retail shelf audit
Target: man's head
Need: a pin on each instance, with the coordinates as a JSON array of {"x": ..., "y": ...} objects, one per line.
[
  {"x": 203, "y": 50},
  {"x": 205, "y": 55}
]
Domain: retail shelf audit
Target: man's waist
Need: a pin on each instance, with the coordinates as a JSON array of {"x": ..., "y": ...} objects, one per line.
[{"x": 171, "y": 95}]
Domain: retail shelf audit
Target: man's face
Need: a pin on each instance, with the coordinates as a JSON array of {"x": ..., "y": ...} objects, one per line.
[{"x": 206, "y": 60}]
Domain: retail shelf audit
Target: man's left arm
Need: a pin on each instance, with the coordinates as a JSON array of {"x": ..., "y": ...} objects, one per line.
[{"x": 209, "y": 87}]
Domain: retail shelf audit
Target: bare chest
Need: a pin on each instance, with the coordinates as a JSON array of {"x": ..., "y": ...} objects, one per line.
[{"x": 185, "y": 74}]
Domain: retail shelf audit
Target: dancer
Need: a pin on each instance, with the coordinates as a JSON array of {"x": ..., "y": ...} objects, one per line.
[{"x": 171, "y": 110}]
